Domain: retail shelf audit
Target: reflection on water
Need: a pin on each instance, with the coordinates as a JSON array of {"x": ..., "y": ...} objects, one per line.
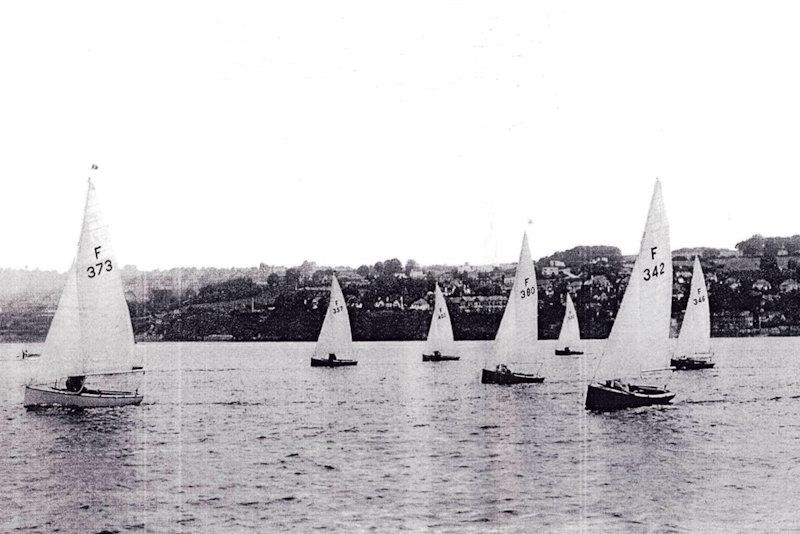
[{"x": 249, "y": 437}]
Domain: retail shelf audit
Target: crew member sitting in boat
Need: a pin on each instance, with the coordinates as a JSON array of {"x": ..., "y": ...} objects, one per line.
[
  {"x": 75, "y": 383},
  {"x": 617, "y": 384},
  {"x": 331, "y": 357},
  {"x": 501, "y": 368},
  {"x": 437, "y": 353}
]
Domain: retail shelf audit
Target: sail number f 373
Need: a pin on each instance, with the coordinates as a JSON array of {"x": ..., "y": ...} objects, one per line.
[{"x": 98, "y": 268}]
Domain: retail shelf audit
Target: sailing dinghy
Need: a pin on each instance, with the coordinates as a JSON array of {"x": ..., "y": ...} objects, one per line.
[
  {"x": 88, "y": 359},
  {"x": 694, "y": 340},
  {"x": 570, "y": 331},
  {"x": 335, "y": 339},
  {"x": 440, "y": 335},
  {"x": 519, "y": 328},
  {"x": 638, "y": 340}
]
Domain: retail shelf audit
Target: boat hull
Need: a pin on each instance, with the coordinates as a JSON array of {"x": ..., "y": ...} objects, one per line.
[
  {"x": 439, "y": 358},
  {"x": 324, "y": 362},
  {"x": 568, "y": 352},
  {"x": 690, "y": 364},
  {"x": 46, "y": 396},
  {"x": 492, "y": 377},
  {"x": 602, "y": 398}
]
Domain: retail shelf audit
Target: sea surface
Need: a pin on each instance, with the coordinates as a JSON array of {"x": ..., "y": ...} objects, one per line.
[{"x": 247, "y": 437}]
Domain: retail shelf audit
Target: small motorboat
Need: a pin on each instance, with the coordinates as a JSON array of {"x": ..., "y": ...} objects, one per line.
[
  {"x": 438, "y": 357},
  {"x": 688, "y": 363},
  {"x": 502, "y": 375},
  {"x": 25, "y": 354},
  {"x": 567, "y": 352},
  {"x": 331, "y": 361},
  {"x": 614, "y": 395}
]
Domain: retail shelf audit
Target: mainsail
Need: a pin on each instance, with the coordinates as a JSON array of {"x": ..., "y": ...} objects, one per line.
[
  {"x": 335, "y": 337},
  {"x": 639, "y": 337},
  {"x": 518, "y": 332},
  {"x": 91, "y": 331},
  {"x": 695, "y": 336},
  {"x": 440, "y": 334},
  {"x": 570, "y": 332}
]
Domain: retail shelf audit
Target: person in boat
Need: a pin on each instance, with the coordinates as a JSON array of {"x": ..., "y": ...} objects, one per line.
[
  {"x": 617, "y": 384},
  {"x": 331, "y": 357},
  {"x": 24, "y": 353},
  {"x": 437, "y": 353},
  {"x": 502, "y": 369},
  {"x": 75, "y": 383}
]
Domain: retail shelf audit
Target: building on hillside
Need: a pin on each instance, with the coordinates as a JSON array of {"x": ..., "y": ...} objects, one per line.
[
  {"x": 761, "y": 285},
  {"x": 420, "y": 305},
  {"x": 789, "y": 285}
]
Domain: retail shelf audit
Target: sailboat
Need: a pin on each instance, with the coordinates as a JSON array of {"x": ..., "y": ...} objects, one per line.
[
  {"x": 519, "y": 328},
  {"x": 335, "y": 338},
  {"x": 440, "y": 335},
  {"x": 89, "y": 347},
  {"x": 638, "y": 340},
  {"x": 570, "y": 331},
  {"x": 694, "y": 340}
]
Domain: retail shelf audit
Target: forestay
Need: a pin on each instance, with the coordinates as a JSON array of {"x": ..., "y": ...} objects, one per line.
[
  {"x": 518, "y": 332},
  {"x": 639, "y": 337},
  {"x": 570, "y": 332},
  {"x": 335, "y": 337},
  {"x": 695, "y": 336},
  {"x": 440, "y": 334}
]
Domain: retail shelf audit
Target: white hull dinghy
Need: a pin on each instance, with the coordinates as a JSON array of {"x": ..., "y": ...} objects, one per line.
[{"x": 89, "y": 359}]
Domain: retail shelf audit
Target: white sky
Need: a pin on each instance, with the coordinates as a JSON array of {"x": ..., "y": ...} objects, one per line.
[{"x": 231, "y": 133}]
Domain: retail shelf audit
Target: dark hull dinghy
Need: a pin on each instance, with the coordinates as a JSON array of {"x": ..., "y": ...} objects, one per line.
[
  {"x": 612, "y": 395},
  {"x": 508, "y": 378},
  {"x": 690, "y": 364},
  {"x": 567, "y": 352},
  {"x": 331, "y": 362},
  {"x": 439, "y": 358}
]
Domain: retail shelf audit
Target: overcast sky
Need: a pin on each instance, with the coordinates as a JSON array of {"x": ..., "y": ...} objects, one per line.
[{"x": 228, "y": 134}]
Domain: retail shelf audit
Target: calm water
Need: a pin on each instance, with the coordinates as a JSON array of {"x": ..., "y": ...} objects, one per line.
[{"x": 240, "y": 437}]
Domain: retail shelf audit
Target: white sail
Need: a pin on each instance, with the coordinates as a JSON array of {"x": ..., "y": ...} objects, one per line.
[
  {"x": 91, "y": 330},
  {"x": 440, "y": 334},
  {"x": 570, "y": 332},
  {"x": 695, "y": 335},
  {"x": 518, "y": 332},
  {"x": 106, "y": 331},
  {"x": 62, "y": 355},
  {"x": 639, "y": 337},
  {"x": 335, "y": 337}
]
